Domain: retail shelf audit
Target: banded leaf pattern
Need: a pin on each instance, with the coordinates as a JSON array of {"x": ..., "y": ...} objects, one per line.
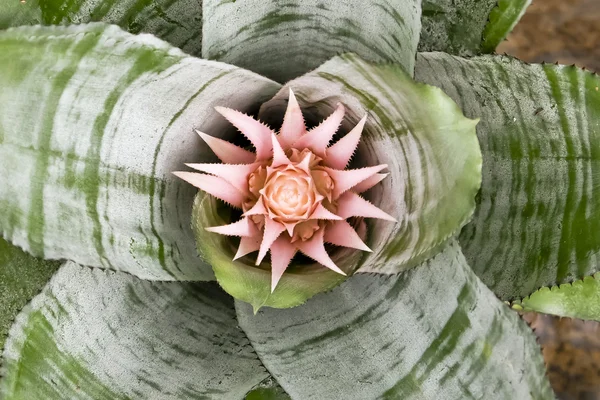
[
  {"x": 433, "y": 332},
  {"x": 503, "y": 19},
  {"x": 454, "y": 26},
  {"x": 178, "y": 22},
  {"x": 283, "y": 39},
  {"x": 538, "y": 217},
  {"x": 94, "y": 334},
  {"x": 580, "y": 299},
  {"x": 431, "y": 150},
  {"x": 21, "y": 277},
  {"x": 93, "y": 121}
]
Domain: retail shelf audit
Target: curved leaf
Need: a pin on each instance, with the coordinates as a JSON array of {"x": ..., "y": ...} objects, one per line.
[
  {"x": 21, "y": 277},
  {"x": 433, "y": 332},
  {"x": 580, "y": 299},
  {"x": 252, "y": 284},
  {"x": 95, "y": 334},
  {"x": 431, "y": 150},
  {"x": 283, "y": 39},
  {"x": 178, "y": 22},
  {"x": 454, "y": 26},
  {"x": 267, "y": 390},
  {"x": 92, "y": 123},
  {"x": 503, "y": 19},
  {"x": 538, "y": 219}
]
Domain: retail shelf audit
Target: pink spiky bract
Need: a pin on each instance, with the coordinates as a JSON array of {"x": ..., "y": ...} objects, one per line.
[{"x": 294, "y": 191}]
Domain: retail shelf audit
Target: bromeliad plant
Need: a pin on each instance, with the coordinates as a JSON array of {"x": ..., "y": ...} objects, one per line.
[{"x": 382, "y": 216}]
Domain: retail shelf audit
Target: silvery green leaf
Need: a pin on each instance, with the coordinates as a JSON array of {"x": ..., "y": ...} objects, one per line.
[
  {"x": 283, "y": 39},
  {"x": 454, "y": 26},
  {"x": 93, "y": 121},
  {"x": 178, "y": 22},
  {"x": 434, "y": 332},
  {"x": 21, "y": 277},
  {"x": 431, "y": 149},
  {"x": 468, "y": 27},
  {"x": 94, "y": 334},
  {"x": 537, "y": 223}
]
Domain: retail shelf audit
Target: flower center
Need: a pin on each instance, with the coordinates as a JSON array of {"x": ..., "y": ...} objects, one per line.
[{"x": 290, "y": 194}]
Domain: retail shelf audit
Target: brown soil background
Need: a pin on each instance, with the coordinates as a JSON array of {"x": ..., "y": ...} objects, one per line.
[{"x": 568, "y": 32}]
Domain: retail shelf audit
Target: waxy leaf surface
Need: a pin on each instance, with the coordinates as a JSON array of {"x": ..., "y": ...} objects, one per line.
[
  {"x": 283, "y": 39},
  {"x": 434, "y": 332},
  {"x": 538, "y": 217},
  {"x": 94, "y": 334},
  {"x": 93, "y": 121},
  {"x": 178, "y": 22}
]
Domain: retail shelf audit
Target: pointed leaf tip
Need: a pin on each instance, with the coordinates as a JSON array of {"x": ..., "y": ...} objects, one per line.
[
  {"x": 341, "y": 233},
  {"x": 213, "y": 185},
  {"x": 282, "y": 252},
  {"x": 227, "y": 152},
  {"x": 244, "y": 227},
  {"x": 258, "y": 133},
  {"x": 293, "y": 126},
  {"x": 347, "y": 179},
  {"x": 339, "y": 154},
  {"x": 272, "y": 231},
  {"x": 351, "y": 204},
  {"x": 318, "y": 138}
]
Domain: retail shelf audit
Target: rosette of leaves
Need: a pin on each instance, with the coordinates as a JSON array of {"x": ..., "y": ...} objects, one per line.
[{"x": 110, "y": 288}]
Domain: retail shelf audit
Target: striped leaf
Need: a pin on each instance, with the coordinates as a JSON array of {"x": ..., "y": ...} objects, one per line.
[
  {"x": 21, "y": 277},
  {"x": 503, "y": 19},
  {"x": 94, "y": 334},
  {"x": 283, "y": 39},
  {"x": 538, "y": 219},
  {"x": 580, "y": 299},
  {"x": 431, "y": 150},
  {"x": 454, "y": 26},
  {"x": 93, "y": 121},
  {"x": 178, "y": 22},
  {"x": 435, "y": 332}
]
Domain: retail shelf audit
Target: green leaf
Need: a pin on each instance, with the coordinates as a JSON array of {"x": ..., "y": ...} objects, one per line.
[
  {"x": 93, "y": 121},
  {"x": 283, "y": 39},
  {"x": 430, "y": 148},
  {"x": 454, "y": 26},
  {"x": 538, "y": 219},
  {"x": 268, "y": 390},
  {"x": 94, "y": 334},
  {"x": 21, "y": 277},
  {"x": 245, "y": 281},
  {"x": 503, "y": 19},
  {"x": 178, "y": 22},
  {"x": 580, "y": 299},
  {"x": 433, "y": 332}
]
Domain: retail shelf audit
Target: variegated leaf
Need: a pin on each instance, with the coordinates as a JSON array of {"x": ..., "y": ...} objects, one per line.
[
  {"x": 21, "y": 277},
  {"x": 93, "y": 121},
  {"x": 431, "y": 150},
  {"x": 454, "y": 26},
  {"x": 503, "y": 19},
  {"x": 283, "y": 39},
  {"x": 468, "y": 27},
  {"x": 435, "y": 332},
  {"x": 178, "y": 22},
  {"x": 538, "y": 219},
  {"x": 94, "y": 334}
]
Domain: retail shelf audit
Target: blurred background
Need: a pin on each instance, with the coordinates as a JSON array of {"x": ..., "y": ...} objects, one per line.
[{"x": 568, "y": 32}]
